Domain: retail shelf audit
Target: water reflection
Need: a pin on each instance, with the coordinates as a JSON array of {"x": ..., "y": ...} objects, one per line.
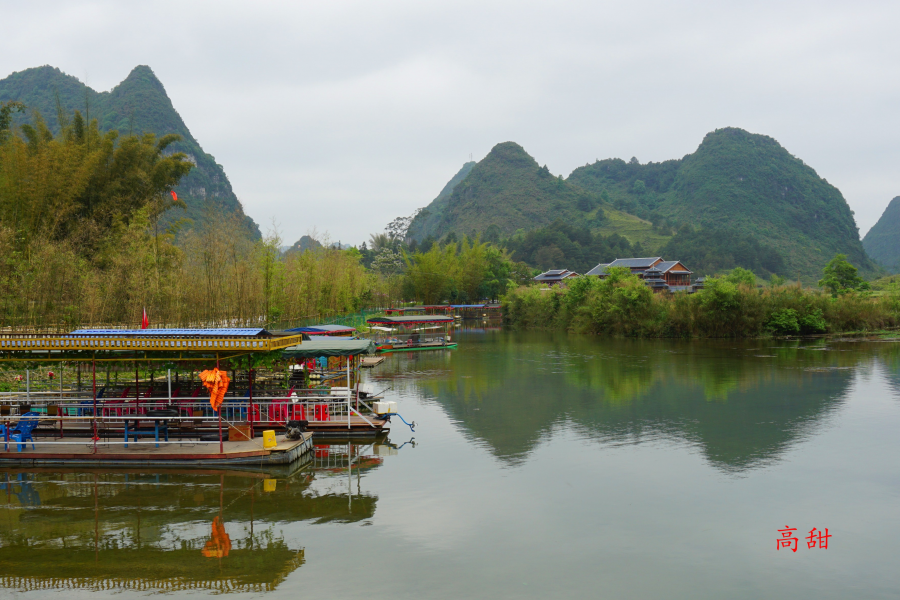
[
  {"x": 742, "y": 403},
  {"x": 173, "y": 530},
  {"x": 891, "y": 360}
]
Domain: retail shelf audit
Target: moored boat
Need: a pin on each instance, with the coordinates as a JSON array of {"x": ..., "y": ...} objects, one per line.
[{"x": 412, "y": 333}]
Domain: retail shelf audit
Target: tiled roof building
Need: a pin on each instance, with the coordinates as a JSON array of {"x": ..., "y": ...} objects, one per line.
[
  {"x": 555, "y": 276},
  {"x": 660, "y": 275}
]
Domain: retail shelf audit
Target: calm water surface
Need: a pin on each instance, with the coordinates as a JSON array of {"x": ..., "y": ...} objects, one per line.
[{"x": 543, "y": 465}]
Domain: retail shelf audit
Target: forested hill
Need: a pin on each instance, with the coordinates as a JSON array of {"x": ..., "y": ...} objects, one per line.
[
  {"x": 428, "y": 221},
  {"x": 883, "y": 240},
  {"x": 508, "y": 190},
  {"x": 738, "y": 182},
  {"x": 138, "y": 104}
]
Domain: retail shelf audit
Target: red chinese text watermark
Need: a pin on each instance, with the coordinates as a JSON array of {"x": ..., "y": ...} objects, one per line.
[{"x": 815, "y": 538}]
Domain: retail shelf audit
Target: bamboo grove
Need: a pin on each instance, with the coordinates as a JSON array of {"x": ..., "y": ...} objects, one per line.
[
  {"x": 82, "y": 242},
  {"x": 90, "y": 235}
]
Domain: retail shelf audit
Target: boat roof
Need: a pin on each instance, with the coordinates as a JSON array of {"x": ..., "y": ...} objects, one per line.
[
  {"x": 474, "y": 306},
  {"x": 327, "y": 346},
  {"x": 451, "y": 306},
  {"x": 322, "y": 329},
  {"x": 411, "y": 319},
  {"x": 229, "y": 332},
  {"x": 143, "y": 344}
]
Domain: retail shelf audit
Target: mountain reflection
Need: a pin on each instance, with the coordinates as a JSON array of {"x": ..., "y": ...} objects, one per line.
[
  {"x": 743, "y": 403},
  {"x": 170, "y": 530},
  {"x": 890, "y": 359}
]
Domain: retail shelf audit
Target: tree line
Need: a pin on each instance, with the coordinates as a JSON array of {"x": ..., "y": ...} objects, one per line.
[{"x": 730, "y": 305}]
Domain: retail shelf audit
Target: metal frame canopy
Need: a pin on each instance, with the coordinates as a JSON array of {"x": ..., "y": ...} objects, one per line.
[
  {"x": 411, "y": 320},
  {"x": 125, "y": 344},
  {"x": 330, "y": 347}
]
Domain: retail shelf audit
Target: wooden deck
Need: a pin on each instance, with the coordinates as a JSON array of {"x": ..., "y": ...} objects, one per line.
[
  {"x": 358, "y": 427},
  {"x": 368, "y": 362},
  {"x": 182, "y": 453}
]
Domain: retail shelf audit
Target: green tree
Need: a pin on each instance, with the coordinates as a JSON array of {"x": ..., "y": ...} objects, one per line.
[
  {"x": 839, "y": 276},
  {"x": 499, "y": 273},
  {"x": 6, "y": 110},
  {"x": 639, "y": 187},
  {"x": 472, "y": 268},
  {"x": 620, "y": 303},
  {"x": 272, "y": 268},
  {"x": 492, "y": 234},
  {"x": 784, "y": 322},
  {"x": 432, "y": 275},
  {"x": 741, "y": 276}
]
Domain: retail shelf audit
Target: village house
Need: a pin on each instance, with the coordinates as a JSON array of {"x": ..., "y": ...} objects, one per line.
[
  {"x": 555, "y": 276},
  {"x": 658, "y": 274}
]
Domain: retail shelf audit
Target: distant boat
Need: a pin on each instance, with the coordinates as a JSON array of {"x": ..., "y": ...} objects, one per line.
[{"x": 426, "y": 332}]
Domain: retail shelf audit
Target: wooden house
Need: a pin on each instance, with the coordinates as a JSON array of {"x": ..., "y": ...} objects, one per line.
[
  {"x": 555, "y": 276},
  {"x": 660, "y": 275}
]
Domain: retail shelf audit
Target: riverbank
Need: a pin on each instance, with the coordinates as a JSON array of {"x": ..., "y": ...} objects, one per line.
[{"x": 625, "y": 306}]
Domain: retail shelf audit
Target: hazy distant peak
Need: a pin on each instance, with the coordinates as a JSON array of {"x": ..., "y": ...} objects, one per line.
[{"x": 883, "y": 240}]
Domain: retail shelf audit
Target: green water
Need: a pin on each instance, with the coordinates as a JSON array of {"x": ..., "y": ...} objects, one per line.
[{"x": 543, "y": 465}]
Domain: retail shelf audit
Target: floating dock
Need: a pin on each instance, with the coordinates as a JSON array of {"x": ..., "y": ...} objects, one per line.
[
  {"x": 147, "y": 424},
  {"x": 83, "y": 453}
]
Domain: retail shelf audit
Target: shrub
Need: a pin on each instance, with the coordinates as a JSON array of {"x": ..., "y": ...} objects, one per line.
[
  {"x": 784, "y": 322},
  {"x": 813, "y": 322}
]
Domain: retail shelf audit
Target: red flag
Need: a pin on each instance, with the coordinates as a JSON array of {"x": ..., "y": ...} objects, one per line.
[
  {"x": 145, "y": 321},
  {"x": 174, "y": 196}
]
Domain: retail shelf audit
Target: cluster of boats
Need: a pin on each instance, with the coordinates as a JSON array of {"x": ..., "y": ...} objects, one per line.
[
  {"x": 312, "y": 388},
  {"x": 408, "y": 329},
  {"x": 402, "y": 333}
]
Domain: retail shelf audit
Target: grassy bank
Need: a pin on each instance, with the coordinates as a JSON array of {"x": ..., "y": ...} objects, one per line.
[{"x": 622, "y": 305}]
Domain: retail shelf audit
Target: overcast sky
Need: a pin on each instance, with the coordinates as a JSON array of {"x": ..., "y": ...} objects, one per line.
[{"x": 344, "y": 115}]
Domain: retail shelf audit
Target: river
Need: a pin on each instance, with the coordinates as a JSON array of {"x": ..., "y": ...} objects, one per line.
[{"x": 543, "y": 465}]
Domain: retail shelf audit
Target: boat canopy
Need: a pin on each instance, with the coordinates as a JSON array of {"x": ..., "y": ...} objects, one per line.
[
  {"x": 327, "y": 346},
  {"x": 410, "y": 320},
  {"x": 142, "y": 344},
  {"x": 227, "y": 332},
  {"x": 323, "y": 330},
  {"x": 454, "y": 306}
]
